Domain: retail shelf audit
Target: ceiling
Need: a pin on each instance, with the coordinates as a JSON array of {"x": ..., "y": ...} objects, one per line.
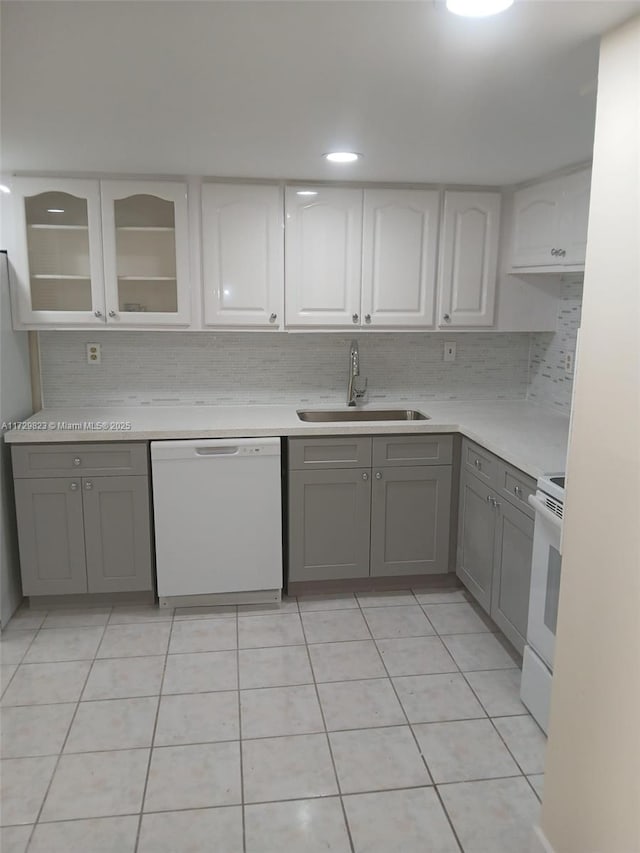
[{"x": 261, "y": 89}]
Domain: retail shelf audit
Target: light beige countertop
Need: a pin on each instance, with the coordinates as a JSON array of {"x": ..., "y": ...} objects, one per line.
[{"x": 528, "y": 436}]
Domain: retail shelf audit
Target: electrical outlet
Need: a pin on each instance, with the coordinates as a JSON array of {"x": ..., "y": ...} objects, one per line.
[
  {"x": 449, "y": 351},
  {"x": 568, "y": 364},
  {"x": 94, "y": 355}
]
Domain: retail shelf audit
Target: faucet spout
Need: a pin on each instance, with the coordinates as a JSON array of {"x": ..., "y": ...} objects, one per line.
[{"x": 353, "y": 392}]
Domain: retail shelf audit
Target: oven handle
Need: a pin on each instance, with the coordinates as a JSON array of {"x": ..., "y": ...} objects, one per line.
[{"x": 541, "y": 509}]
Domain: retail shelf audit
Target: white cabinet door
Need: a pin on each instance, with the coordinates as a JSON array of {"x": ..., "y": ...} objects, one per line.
[
  {"x": 469, "y": 257},
  {"x": 537, "y": 225},
  {"x": 399, "y": 248},
  {"x": 323, "y": 242},
  {"x": 57, "y": 252},
  {"x": 146, "y": 253},
  {"x": 243, "y": 255},
  {"x": 575, "y": 218}
]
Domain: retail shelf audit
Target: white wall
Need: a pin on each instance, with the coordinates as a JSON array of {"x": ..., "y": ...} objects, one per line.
[
  {"x": 15, "y": 404},
  {"x": 592, "y": 786}
]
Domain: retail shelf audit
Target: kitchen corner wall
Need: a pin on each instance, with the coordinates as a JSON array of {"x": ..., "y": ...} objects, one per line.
[
  {"x": 549, "y": 383},
  {"x": 181, "y": 368}
]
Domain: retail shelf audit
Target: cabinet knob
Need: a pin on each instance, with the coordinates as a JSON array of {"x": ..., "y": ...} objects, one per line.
[
  {"x": 77, "y": 461},
  {"x": 367, "y": 318},
  {"x": 365, "y": 476},
  {"x": 478, "y": 464},
  {"x": 496, "y": 504},
  {"x": 489, "y": 499},
  {"x": 355, "y": 318},
  {"x": 562, "y": 252},
  {"x": 554, "y": 252},
  {"x": 378, "y": 475},
  {"x": 88, "y": 485},
  {"x": 74, "y": 487},
  {"x": 447, "y": 318},
  {"x": 112, "y": 314},
  {"x": 273, "y": 318},
  {"x": 97, "y": 313},
  {"x": 517, "y": 491}
]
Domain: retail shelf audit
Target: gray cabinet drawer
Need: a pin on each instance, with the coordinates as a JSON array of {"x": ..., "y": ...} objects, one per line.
[
  {"x": 412, "y": 450},
  {"x": 480, "y": 462},
  {"x": 64, "y": 460},
  {"x": 516, "y": 487},
  {"x": 309, "y": 454}
]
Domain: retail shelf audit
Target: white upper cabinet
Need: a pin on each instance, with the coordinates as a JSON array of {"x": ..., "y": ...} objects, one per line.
[
  {"x": 468, "y": 259},
  {"x": 550, "y": 223},
  {"x": 146, "y": 253},
  {"x": 399, "y": 249},
  {"x": 243, "y": 255},
  {"x": 57, "y": 254},
  {"x": 323, "y": 241}
]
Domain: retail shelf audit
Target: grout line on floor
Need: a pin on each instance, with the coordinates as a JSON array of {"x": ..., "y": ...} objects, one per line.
[
  {"x": 328, "y": 739},
  {"x": 153, "y": 737}
]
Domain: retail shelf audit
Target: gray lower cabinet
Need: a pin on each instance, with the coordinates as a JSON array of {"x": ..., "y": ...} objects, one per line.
[
  {"x": 117, "y": 535},
  {"x": 51, "y": 535},
  {"x": 410, "y": 510},
  {"x": 495, "y": 541},
  {"x": 476, "y": 538},
  {"x": 329, "y": 520},
  {"x": 348, "y": 520},
  {"x": 512, "y": 572},
  {"x": 83, "y": 533}
]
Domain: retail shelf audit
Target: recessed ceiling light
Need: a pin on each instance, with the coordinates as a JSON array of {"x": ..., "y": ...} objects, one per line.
[
  {"x": 55, "y": 210},
  {"x": 307, "y": 192},
  {"x": 478, "y": 8},
  {"x": 342, "y": 156},
  {"x": 4, "y": 188}
]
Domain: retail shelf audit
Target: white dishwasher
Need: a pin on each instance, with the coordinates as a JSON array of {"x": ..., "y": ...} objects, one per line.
[{"x": 218, "y": 521}]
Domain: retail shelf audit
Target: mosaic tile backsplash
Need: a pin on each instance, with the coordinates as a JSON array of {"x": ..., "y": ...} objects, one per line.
[
  {"x": 188, "y": 368},
  {"x": 549, "y": 384},
  {"x": 173, "y": 368}
]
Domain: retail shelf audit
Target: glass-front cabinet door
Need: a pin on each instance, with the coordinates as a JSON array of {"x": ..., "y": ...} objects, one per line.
[
  {"x": 146, "y": 253},
  {"x": 57, "y": 256}
]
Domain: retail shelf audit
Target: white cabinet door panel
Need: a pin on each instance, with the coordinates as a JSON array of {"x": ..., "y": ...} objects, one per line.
[
  {"x": 576, "y": 218},
  {"x": 400, "y": 240},
  {"x": 468, "y": 266},
  {"x": 538, "y": 214},
  {"x": 323, "y": 241},
  {"x": 243, "y": 255}
]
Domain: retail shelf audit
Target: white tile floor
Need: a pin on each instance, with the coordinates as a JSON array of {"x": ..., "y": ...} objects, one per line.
[{"x": 385, "y": 723}]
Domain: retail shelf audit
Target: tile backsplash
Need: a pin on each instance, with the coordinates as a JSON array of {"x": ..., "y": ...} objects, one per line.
[
  {"x": 549, "y": 384},
  {"x": 174, "y": 368}
]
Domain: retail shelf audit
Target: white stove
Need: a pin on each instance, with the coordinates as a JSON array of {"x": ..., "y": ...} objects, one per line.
[{"x": 537, "y": 668}]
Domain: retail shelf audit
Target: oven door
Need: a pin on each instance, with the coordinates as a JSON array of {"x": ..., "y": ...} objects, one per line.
[{"x": 545, "y": 580}]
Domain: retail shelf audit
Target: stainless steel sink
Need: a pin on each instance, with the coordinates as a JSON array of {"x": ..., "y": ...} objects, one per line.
[{"x": 318, "y": 416}]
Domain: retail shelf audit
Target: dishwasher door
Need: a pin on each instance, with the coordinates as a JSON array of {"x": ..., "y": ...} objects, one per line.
[{"x": 218, "y": 519}]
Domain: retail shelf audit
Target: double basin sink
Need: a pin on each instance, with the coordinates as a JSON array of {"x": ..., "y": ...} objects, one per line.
[{"x": 356, "y": 415}]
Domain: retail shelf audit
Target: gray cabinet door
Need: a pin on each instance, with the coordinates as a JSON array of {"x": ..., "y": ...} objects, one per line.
[
  {"x": 51, "y": 535},
  {"x": 476, "y": 538},
  {"x": 410, "y": 509},
  {"x": 117, "y": 533},
  {"x": 329, "y": 524},
  {"x": 512, "y": 573}
]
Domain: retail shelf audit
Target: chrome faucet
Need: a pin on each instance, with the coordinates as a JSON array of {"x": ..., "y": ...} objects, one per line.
[{"x": 353, "y": 392}]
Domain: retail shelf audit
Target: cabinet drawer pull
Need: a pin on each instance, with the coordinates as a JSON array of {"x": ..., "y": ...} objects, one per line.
[
  {"x": 378, "y": 475},
  {"x": 365, "y": 476},
  {"x": 77, "y": 461},
  {"x": 74, "y": 487},
  {"x": 88, "y": 485}
]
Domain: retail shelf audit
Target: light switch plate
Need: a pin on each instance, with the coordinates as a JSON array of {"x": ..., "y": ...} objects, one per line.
[
  {"x": 94, "y": 354},
  {"x": 449, "y": 351}
]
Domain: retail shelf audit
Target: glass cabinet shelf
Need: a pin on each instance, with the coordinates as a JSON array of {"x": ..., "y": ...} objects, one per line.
[
  {"x": 45, "y": 226},
  {"x": 144, "y": 228},
  {"x": 57, "y": 277}
]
